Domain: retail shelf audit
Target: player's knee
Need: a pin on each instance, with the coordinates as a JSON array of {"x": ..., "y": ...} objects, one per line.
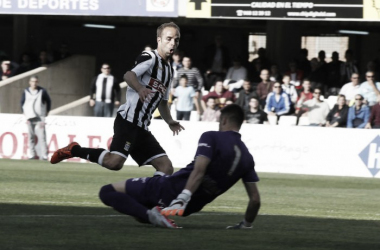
[
  {"x": 104, "y": 193},
  {"x": 113, "y": 164}
]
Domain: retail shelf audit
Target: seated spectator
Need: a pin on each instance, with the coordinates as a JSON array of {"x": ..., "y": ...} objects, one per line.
[
  {"x": 278, "y": 102},
  {"x": 289, "y": 89},
  {"x": 6, "y": 70},
  {"x": 220, "y": 94},
  {"x": 304, "y": 96},
  {"x": 337, "y": 117},
  {"x": 374, "y": 118},
  {"x": 211, "y": 112},
  {"x": 275, "y": 75},
  {"x": 245, "y": 95},
  {"x": 370, "y": 89},
  {"x": 351, "y": 89},
  {"x": 317, "y": 109},
  {"x": 254, "y": 114},
  {"x": 185, "y": 98},
  {"x": 235, "y": 75},
  {"x": 358, "y": 115},
  {"x": 296, "y": 75},
  {"x": 264, "y": 87}
]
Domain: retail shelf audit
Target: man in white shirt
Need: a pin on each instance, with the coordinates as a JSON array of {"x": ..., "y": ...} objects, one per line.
[{"x": 351, "y": 89}]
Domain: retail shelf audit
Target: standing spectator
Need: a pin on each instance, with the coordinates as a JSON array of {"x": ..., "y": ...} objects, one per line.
[
  {"x": 358, "y": 115},
  {"x": 176, "y": 62},
  {"x": 317, "y": 109},
  {"x": 235, "y": 75},
  {"x": 185, "y": 98},
  {"x": 351, "y": 89},
  {"x": 289, "y": 89},
  {"x": 278, "y": 102},
  {"x": 296, "y": 75},
  {"x": 35, "y": 104},
  {"x": 304, "y": 96},
  {"x": 194, "y": 77},
  {"x": 6, "y": 70},
  {"x": 374, "y": 118},
  {"x": 317, "y": 75},
  {"x": 333, "y": 74},
  {"x": 303, "y": 62},
  {"x": 337, "y": 117},
  {"x": 221, "y": 95},
  {"x": 105, "y": 92},
  {"x": 370, "y": 89},
  {"x": 43, "y": 59},
  {"x": 348, "y": 67},
  {"x": 262, "y": 57},
  {"x": 254, "y": 114},
  {"x": 211, "y": 112},
  {"x": 264, "y": 87},
  {"x": 245, "y": 95}
]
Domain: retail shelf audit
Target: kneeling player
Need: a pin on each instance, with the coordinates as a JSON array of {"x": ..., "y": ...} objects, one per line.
[{"x": 220, "y": 161}]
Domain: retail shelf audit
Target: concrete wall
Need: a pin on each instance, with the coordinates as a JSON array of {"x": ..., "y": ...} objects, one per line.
[{"x": 65, "y": 81}]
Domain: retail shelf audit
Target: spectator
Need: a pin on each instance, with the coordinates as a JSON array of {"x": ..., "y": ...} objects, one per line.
[
  {"x": 317, "y": 109},
  {"x": 6, "y": 70},
  {"x": 254, "y": 114},
  {"x": 264, "y": 87},
  {"x": 176, "y": 62},
  {"x": 245, "y": 95},
  {"x": 374, "y": 118},
  {"x": 254, "y": 73},
  {"x": 235, "y": 75},
  {"x": 185, "y": 98},
  {"x": 35, "y": 104},
  {"x": 148, "y": 48},
  {"x": 304, "y": 96},
  {"x": 105, "y": 92},
  {"x": 358, "y": 115},
  {"x": 221, "y": 95},
  {"x": 26, "y": 64},
  {"x": 278, "y": 102},
  {"x": 349, "y": 90},
  {"x": 64, "y": 51},
  {"x": 289, "y": 89},
  {"x": 371, "y": 66},
  {"x": 296, "y": 75},
  {"x": 317, "y": 75},
  {"x": 348, "y": 67},
  {"x": 229, "y": 102},
  {"x": 370, "y": 89},
  {"x": 264, "y": 61},
  {"x": 303, "y": 62},
  {"x": 337, "y": 117},
  {"x": 43, "y": 59},
  {"x": 333, "y": 74},
  {"x": 211, "y": 112},
  {"x": 274, "y": 75}
]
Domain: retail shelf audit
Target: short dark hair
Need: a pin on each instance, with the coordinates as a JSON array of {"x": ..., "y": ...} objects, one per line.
[
  {"x": 165, "y": 25},
  {"x": 184, "y": 76},
  {"x": 234, "y": 113}
]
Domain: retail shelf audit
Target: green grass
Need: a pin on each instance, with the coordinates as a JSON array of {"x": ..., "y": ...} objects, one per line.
[{"x": 45, "y": 207}]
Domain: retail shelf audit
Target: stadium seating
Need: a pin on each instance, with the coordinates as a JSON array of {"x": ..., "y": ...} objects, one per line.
[
  {"x": 287, "y": 120},
  {"x": 303, "y": 121}
]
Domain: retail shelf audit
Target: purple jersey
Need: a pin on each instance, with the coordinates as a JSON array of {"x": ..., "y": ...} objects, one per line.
[{"x": 230, "y": 161}]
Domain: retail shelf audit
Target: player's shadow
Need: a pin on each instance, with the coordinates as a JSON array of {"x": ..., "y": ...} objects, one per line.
[{"x": 64, "y": 227}]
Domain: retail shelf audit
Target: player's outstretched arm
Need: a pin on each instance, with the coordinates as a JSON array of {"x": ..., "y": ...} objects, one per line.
[
  {"x": 252, "y": 208},
  {"x": 174, "y": 126},
  {"x": 178, "y": 205},
  {"x": 132, "y": 81}
]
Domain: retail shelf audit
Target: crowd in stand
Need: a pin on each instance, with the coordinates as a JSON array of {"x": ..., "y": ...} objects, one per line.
[{"x": 267, "y": 94}]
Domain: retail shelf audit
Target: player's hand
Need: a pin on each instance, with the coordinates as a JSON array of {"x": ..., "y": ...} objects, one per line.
[
  {"x": 178, "y": 206},
  {"x": 144, "y": 94},
  {"x": 239, "y": 226},
  {"x": 175, "y": 127}
]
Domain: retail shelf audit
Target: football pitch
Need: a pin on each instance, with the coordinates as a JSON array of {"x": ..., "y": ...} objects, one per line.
[{"x": 47, "y": 207}]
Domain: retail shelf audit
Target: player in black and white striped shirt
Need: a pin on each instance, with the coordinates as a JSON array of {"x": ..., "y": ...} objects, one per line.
[{"x": 149, "y": 85}]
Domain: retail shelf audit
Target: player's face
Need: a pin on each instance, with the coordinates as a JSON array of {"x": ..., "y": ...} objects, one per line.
[{"x": 168, "y": 42}]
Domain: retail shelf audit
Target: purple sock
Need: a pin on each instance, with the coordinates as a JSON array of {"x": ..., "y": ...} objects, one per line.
[{"x": 123, "y": 203}]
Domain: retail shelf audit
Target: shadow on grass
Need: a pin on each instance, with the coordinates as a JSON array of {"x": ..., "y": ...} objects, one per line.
[{"x": 62, "y": 227}]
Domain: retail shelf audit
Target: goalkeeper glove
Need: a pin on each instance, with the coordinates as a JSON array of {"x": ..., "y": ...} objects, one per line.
[
  {"x": 178, "y": 205},
  {"x": 241, "y": 225}
]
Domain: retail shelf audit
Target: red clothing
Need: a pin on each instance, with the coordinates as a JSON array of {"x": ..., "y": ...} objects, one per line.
[
  {"x": 298, "y": 76},
  {"x": 308, "y": 96},
  {"x": 374, "y": 118},
  {"x": 220, "y": 99},
  {"x": 263, "y": 89}
]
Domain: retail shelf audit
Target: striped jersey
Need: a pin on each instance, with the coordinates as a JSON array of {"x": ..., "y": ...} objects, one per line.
[{"x": 154, "y": 73}]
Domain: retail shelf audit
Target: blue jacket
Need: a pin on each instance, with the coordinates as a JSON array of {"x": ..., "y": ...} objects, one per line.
[
  {"x": 363, "y": 114},
  {"x": 281, "y": 107}
]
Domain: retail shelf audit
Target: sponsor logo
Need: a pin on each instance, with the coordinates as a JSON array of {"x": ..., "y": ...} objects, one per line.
[
  {"x": 127, "y": 146},
  {"x": 157, "y": 85},
  {"x": 370, "y": 156}
]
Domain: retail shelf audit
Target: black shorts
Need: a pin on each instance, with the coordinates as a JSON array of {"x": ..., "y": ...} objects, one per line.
[{"x": 129, "y": 139}]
